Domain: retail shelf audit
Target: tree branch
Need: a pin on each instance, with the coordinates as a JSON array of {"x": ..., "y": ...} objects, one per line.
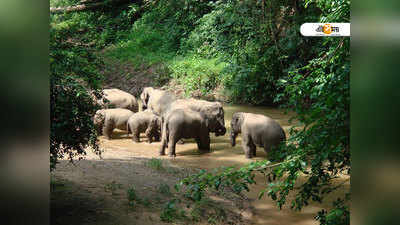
[{"x": 88, "y": 5}]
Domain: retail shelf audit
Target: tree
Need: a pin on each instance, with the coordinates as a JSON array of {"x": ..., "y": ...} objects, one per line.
[
  {"x": 89, "y": 5},
  {"x": 319, "y": 150},
  {"x": 73, "y": 72}
]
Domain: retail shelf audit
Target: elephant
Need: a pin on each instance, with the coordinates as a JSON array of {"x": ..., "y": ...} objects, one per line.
[
  {"x": 187, "y": 123},
  {"x": 147, "y": 122},
  {"x": 105, "y": 120},
  {"x": 156, "y": 100},
  {"x": 144, "y": 97},
  {"x": 257, "y": 130},
  {"x": 115, "y": 98},
  {"x": 213, "y": 111}
]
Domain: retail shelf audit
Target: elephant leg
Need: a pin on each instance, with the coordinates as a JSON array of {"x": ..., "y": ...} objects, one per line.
[
  {"x": 246, "y": 146},
  {"x": 163, "y": 146},
  {"x": 266, "y": 148},
  {"x": 150, "y": 133},
  {"x": 198, "y": 141},
  {"x": 107, "y": 131},
  {"x": 157, "y": 137},
  {"x": 205, "y": 143},
  {"x": 171, "y": 145},
  {"x": 149, "y": 136},
  {"x": 136, "y": 136},
  {"x": 253, "y": 148}
]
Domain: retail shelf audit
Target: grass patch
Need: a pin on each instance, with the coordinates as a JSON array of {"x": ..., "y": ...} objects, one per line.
[
  {"x": 133, "y": 198},
  {"x": 171, "y": 212},
  {"x": 156, "y": 164},
  {"x": 112, "y": 187},
  {"x": 206, "y": 208},
  {"x": 144, "y": 46},
  {"x": 56, "y": 184},
  {"x": 146, "y": 202},
  {"x": 164, "y": 189}
]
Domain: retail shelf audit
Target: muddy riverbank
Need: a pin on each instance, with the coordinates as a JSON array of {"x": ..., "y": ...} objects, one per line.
[{"x": 123, "y": 164}]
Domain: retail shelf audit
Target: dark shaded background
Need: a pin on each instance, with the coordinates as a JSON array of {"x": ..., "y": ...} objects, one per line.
[
  {"x": 375, "y": 111},
  {"x": 24, "y": 97}
]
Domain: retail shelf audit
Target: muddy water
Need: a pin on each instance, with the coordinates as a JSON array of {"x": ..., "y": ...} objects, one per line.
[{"x": 265, "y": 210}]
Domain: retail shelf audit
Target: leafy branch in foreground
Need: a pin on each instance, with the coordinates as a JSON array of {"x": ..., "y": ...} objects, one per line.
[{"x": 232, "y": 178}]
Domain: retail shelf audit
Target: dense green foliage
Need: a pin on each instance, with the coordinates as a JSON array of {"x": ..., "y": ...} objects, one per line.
[
  {"x": 71, "y": 106},
  {"x": 74, "y": 71},
  {"x": 257, "y": 43},
  {"x": 251, "y": 48}
]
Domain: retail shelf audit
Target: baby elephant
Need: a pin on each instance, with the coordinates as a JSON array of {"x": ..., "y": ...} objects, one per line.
[
  {"x": 257, "y": 130},
  {"x": 106, "y": 120},
  {"x": 147, "y": 122}
]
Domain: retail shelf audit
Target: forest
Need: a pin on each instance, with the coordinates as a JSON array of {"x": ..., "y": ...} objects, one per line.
[{"x": 247, "y": 54}]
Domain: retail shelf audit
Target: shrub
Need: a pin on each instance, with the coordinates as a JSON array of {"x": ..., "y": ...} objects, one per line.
[{"x": 197, "y": 74}]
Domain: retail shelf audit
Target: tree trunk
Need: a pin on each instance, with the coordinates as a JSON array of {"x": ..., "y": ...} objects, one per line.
[{"x": 88, "y": 5}]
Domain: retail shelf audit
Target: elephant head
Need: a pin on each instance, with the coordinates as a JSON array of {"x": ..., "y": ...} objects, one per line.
[
  {"x": 236, "y": 126},
  {"x": 215, "y": 118},
  {"x": 145, "y": 96},
  {"x": 155, "y": 124},
  {"x": 98, "y": 119}
]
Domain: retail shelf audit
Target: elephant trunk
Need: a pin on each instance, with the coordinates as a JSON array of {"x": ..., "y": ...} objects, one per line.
[
  {"x": 220, "y": 129},
  {"x": 220, "y": 132},
  {"x": 144, "y": 107},
  {"x": 233, "y": 138}
]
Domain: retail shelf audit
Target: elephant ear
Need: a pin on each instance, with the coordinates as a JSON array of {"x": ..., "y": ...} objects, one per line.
[
  {"x": 238, "y": 119},
  {"x": 145, "y": 94},
  {"x": 213, "y": 111},
  {"x": 206, "y": 118},
  {"x": 99, "y": 116}
]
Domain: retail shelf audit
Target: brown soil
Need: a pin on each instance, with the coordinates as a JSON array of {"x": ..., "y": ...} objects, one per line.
[{"x": 83, "y": 191}]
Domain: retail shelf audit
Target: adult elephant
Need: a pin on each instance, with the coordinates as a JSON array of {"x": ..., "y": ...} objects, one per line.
[
  {"x": 212, "y": 110},
  {"x": 186, "y": 123},
  {"x": 116, "y": 98},
  {"x": 158, "y": 101},
  {"x": 256, "y": 130}
]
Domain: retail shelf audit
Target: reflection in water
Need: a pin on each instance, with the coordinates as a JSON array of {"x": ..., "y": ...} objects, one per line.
[{"x": 222, "y": 154}]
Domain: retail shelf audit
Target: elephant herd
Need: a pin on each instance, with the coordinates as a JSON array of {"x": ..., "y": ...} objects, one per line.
[{"x": 163, "y": 117}]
